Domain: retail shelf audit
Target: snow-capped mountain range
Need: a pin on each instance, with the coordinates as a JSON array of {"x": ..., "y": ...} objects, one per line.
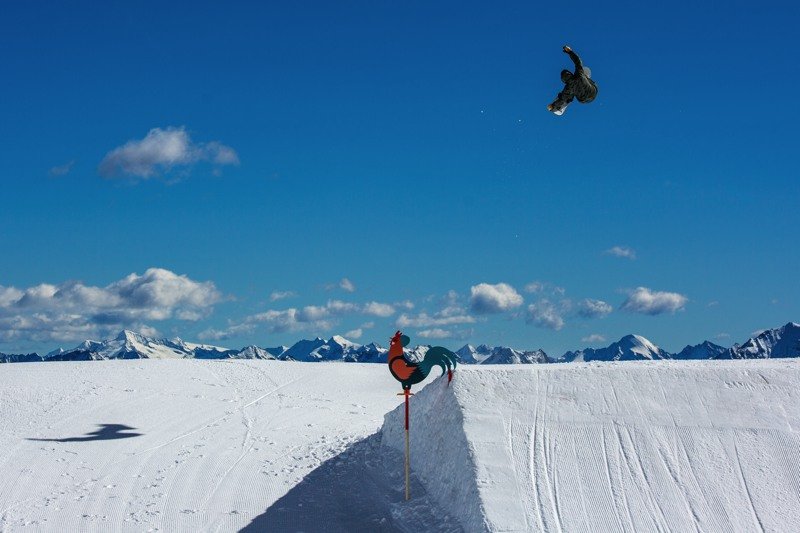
[
  {"x": 130, "y": 345},
  {"x": 488, "y": 355},
  {"x": 778, "y": 342},
  {"x": 781, "y": 342},
  {"x": 628, "y": 348}
]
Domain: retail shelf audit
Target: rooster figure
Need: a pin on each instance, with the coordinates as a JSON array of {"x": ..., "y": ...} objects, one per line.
[{"x": 408, "y": 372}]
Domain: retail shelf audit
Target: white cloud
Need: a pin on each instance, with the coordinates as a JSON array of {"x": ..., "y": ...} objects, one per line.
[
  {"x": 347, "y": 285},
  {"x": 9, "y": 295},
  {"x": 622, "y": 251},
  {"x": 451, "y": 298},
  {"x": 451, "y": 312},
  {"x": 451, "y": 304},
  {"x": 439, "y": 333},
  {"x": 160, "y": 151},
  {"x": 354, "y": 334},
  {"x": 589, "y": 308},
  {"x": 220, "y": 154},
  {"x": 594, "y": 338},
  {"x": 722, "y": 335},
  {"x": 534, "y": 287},
  {"x": 543, "y": 287},
  {"x": 312, "y": 313},
  {"x": 650, "y": 302},
  {"x": 62, "y": 170},
  {"x": 423, "y": 320},
  {"x": 435, "y": 333},
  {"x": 314, "y": 318},
  {"x": 378, "y": 309},
  {"x": 148, "y": 331},
  {"x": 281, "y": 295},
  {"x": 367, "y": 325},
  {"x": 158, "y": 292},
  {"x": 408, "y": 305},
  {"x": 214, "y": 334},
  {"x": 190, "y": 315},
  {"x": 73, "y": 310},
  {"x": 339, "y": 307},
  {"x": 488, "y": 298},
  {"x": 544, "y": 314}
]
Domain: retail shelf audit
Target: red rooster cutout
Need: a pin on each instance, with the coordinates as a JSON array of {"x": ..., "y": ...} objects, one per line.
[{"x": 409, "y": 372}]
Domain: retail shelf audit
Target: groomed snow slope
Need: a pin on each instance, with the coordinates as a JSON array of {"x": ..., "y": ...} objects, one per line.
[
  {"x": 645, "y": 446},
  {"x": 221, "y": 445},
  {"x": 275, "y": 446}
]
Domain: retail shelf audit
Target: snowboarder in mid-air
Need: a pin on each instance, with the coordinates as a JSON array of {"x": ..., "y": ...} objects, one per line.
[{"x": 576, "y": 85}]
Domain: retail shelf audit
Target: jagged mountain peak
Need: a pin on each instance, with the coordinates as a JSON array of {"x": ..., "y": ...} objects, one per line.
[
  {"x": 704, "y": 350},
  {"x": 128, "y": 335},
  {"x": 485, "y": 354},
  {"x": 131, "y": 345},
  {"x": 628, "y": 348},
  {"x": 254, "y": 352},
  {"x": 638, "y": 343},
  {"x": 55, "y": 352},
  {"x": 341, "y": 341},
  {"x": 505, "y": 355},
  {"x": 779, "y": 342},
  {"x": 20, "y": 358}
]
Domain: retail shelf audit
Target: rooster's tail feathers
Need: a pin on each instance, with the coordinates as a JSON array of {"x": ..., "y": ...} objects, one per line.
[{"x": 438, "y": 356}]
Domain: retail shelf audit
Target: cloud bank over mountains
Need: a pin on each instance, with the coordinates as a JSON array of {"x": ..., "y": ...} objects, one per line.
[
  {"x": 73, "y": 310},
  {"x": 312, "y": 318}
]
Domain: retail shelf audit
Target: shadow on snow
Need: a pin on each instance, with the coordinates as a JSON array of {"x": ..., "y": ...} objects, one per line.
[
  {"x": 361, "y": 489},
  {"x": 106, "y": 432}
]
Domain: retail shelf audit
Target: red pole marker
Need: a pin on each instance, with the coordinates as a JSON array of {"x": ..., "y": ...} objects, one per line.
[
  {"x": 408, "y": 451},
  {"x": 407, "y": 393},
  {"x": 409, "y": 372}
]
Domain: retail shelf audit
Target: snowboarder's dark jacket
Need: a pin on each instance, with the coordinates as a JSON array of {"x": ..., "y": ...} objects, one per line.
[{"x": 578, "y": 85}]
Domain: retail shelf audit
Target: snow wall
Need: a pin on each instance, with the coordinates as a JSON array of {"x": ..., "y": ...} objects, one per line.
[{"x": 661, "y": 446}]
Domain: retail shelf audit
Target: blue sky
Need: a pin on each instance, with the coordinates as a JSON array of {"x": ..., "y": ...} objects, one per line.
[{"x": 175, "y": 169}]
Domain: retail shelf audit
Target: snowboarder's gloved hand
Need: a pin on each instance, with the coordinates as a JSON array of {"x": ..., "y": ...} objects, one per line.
[{"x": 567, "y": 49}]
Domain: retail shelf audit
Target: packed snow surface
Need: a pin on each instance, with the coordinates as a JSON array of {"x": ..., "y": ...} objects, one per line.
[
  {"x": 254, "y": 445},
  {"x": 633, "y": 446},
  {"x": 215, "y": 443}
]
